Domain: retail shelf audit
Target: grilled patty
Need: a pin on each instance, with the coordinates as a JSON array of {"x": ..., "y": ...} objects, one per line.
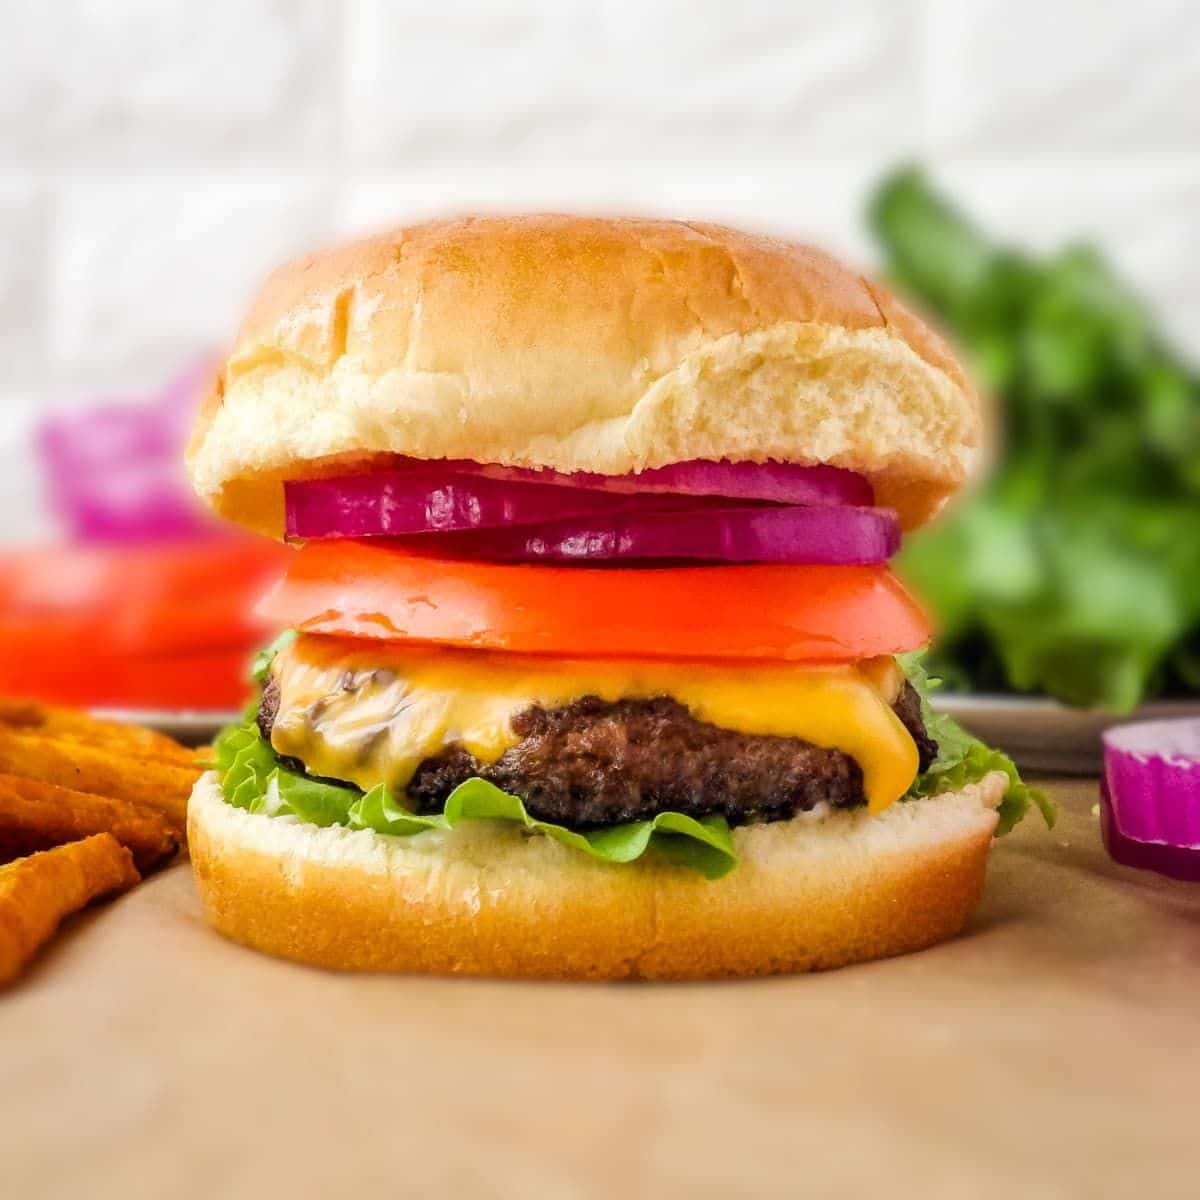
[{"x": 595, "y": 762}]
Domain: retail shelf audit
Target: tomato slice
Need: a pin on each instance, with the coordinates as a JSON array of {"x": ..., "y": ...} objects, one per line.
[
  {"x": 168, "y": 625},
  {"x": 800, "y": 613},
  {"x": 140, "y": 600},
  {"x": 210, "y": 681}
]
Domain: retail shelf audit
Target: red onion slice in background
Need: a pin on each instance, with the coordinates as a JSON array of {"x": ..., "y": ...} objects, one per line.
[
  {"x": 114, "y": 472},
  {"x": 832, "y": 536},
  {"x": 1150, "y": 796}
]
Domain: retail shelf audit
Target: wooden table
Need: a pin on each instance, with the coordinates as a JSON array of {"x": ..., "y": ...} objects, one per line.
[{"x": 1053, "y": 1051}]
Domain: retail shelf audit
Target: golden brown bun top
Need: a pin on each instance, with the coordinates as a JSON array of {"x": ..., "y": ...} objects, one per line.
[{"x": 581, "y": 344}]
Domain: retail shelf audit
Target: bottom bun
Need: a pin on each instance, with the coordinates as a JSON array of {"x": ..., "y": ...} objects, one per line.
[{"x": 486, "y": 898}]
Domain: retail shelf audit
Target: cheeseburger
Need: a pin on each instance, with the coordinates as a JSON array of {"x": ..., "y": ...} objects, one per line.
[{"x": 594, "y": 666}]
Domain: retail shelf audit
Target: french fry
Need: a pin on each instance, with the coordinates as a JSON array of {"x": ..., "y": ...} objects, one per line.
[
  {"x": 148, "y": 782},
  {"x": 35, "y": 816},
  {"x": 68, "y": 724},
  {"x": 38, "y": 892}
]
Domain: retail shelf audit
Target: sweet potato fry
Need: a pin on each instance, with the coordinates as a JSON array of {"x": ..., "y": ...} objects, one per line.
[
  {"x": 37, "y": 892},
  {"x": 35, "y": 816},
  {"x": 101, "y": 772},
  {"x": 68, "y": 724}
]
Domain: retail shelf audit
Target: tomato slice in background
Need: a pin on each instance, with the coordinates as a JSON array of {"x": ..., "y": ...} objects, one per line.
[
  {"x": 156, "y": 625},
  {"x": 168, "y": 598},
  {"x": 798, "y": 613},
  {"x": 213, "y": 681}
]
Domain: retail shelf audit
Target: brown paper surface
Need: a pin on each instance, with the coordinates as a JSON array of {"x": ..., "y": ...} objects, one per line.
[{"x": 1052, "y": 1051}]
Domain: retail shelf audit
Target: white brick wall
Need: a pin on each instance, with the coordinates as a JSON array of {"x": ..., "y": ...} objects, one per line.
[
  {"x": 169, "y": 83},
  {"x": 157, "y": 156},
  {"x": 1065, "y": 75},
  {"x": 22, "y": 277},
  {"x": 624, "y": 81},
  {"x": 141, "y": 268}
]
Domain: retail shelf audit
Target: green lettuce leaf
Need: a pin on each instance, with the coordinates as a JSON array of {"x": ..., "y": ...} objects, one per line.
[
  {"x": 963, "y": 759},
  {"x": 703, "y": 845},
  {"x": 253, "y": 778},
  {"x": 261, "y": 665},
  {"x": 246, "y": 764}
]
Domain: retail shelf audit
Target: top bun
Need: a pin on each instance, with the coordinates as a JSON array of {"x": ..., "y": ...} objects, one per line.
[{"x": 581, "y": 344}]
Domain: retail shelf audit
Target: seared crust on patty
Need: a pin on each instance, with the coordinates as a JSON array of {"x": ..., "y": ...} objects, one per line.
[
  {"x": 594, "y": 762},
  {"x": 907, "y": 707},
  {"x": 598, "y": 763}
]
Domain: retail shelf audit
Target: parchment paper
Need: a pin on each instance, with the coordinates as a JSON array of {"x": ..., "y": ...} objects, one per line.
[{"x": 1052, "y": 1051}]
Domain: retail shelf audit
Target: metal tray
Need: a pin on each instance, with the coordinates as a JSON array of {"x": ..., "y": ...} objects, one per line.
[
  {"x": 1043, "y": 735},
  {"x": 192, "y": 728}
]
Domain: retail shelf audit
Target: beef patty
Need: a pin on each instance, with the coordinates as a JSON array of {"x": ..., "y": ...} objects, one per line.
[{"x": 595, "y": 762}]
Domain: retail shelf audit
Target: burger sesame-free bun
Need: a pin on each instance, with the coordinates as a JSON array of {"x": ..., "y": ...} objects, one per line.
[
  {"x": 487, "y": 899},
  {"x": 581, "y": 344}
]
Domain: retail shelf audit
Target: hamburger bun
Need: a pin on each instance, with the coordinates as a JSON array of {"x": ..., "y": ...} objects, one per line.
[
  {"x": 486, "y": 899},
  {"x": 581, "y": 344}
]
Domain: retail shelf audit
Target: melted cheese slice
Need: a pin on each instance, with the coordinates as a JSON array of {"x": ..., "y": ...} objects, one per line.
[{"x": 371, "y": 714}]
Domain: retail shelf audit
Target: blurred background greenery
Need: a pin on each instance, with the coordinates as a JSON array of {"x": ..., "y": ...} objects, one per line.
[{"x": 1075, "y": 570}]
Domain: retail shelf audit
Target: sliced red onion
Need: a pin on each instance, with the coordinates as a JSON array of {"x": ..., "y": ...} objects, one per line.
[
  {"x": 114, "y": 471},
  {"x": 1150, "y": 801},
  {"x": 394, "y": 503},
  {"x": 768, "y": 534},
  {"x": 777, "y": 483},
  {"x": 514, "y": 514},
  {"x": 424, "y": 497}
]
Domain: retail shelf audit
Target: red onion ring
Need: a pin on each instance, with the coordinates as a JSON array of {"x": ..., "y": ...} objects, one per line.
[
  {"x": 420, "y": 494},
  {"x": 510, "y": 514},
  {"x": 113, "y": 470},
  {"x": 395, "y": 503},
  {"x": 836, "y": 536},
  {"x": 1150, "y": 796}
]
